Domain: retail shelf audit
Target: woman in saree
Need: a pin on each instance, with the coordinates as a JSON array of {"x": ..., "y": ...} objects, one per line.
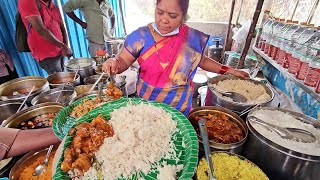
[{"x": 169, "y": 53}]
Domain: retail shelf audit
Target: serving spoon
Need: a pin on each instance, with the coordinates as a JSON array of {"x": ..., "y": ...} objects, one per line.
[
  {"x": 41, "y": 168},
  {"x": 286, "y": 133},
  {"x": 233, "y": 95},
  {"x": 205, "y": 141}
]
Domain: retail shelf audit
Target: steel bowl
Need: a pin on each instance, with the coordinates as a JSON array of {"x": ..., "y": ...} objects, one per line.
[
  {"x": 60, "y": 78},
  {"x": 82, "y": 89},
  {"x": 27, "y": 160},
  {"x": 15, "y": 120},
  {"x": 279, "y": 162},
  {"x": 92, "y": 93},
  {"x": 17, "y": 89},
  {"x": 7, "y": 165},
  {"x": 229, "y": 153},
  {"x": 9, "y": 108},
  {"x": 94, "y": 78},
  {"x": 214, "y": 146},
  {"x": 86, "y": 66},
  {"x": 213, "y": 98},
  {"x": 60, "y": 94}
]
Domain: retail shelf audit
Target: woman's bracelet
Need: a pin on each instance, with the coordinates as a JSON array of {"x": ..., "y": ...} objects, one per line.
[{"x": 223, "y": 69}]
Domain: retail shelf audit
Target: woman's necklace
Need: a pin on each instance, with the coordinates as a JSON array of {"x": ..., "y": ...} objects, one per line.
[{"x": 162, "y": 63}]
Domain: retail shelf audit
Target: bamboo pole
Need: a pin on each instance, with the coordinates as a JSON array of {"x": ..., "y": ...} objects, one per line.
[
  {"x": 295, "y": 9},
  {"x": 313, "y": 10},
  {"x": 227, "y": 46},
  {"x": 122, "y": 17},
  {"x": 250, "y": 34},
  {"x": 240, "y": 9}
]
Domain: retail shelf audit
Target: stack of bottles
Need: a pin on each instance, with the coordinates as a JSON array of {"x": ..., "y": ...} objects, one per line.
[{"x": 295, "y": 47}]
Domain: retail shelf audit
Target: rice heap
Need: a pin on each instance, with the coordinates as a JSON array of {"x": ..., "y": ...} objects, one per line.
[
  {"x": 255, "y": 93},
  {"x": 143, "y": 136},
  {"x": 228, "y": 167},
  {"x": 283, "y": 119}
]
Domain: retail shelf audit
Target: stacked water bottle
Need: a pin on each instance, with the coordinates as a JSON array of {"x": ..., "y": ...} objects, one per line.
[{"x": 295, "y": 47}]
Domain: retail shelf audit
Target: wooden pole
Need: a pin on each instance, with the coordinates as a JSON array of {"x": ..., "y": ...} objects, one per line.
[
  {"x": 227, "y": 46},
  {"x": 250, "y": 34},
  {"x": 295, "y": 9},
  {"x": 240, "y": 9},
  {"x": 122, "y": 17},
  {"x": 313, "y": 10}
]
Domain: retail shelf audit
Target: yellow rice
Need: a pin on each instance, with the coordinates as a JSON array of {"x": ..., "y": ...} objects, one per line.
[{"x": 227, "y": 167}]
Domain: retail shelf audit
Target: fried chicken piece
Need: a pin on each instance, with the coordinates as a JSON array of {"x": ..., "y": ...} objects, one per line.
[
  {"x": 113, "y": 91},
  {"x": 82, "y": 163}
]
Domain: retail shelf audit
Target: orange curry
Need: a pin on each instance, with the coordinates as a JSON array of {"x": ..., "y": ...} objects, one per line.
[
  {"x": 87, "y": 140},
  {"x": 221, "y": 129}
]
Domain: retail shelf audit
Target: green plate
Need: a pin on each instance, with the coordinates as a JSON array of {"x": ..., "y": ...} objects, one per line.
[
  {"x": 185, "y": 139},
  {"x": 63, "y": 122}
]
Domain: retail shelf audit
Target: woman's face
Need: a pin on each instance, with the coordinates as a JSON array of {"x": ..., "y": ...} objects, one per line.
[{"x": 168, "y": 16}]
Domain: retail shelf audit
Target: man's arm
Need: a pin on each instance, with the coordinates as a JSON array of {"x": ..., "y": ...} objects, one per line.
[
  {"x": 64, "y": 33},
  {"x": 28, "y": 140},
  {"x": 37, "y": 23},
  {"x": 76, "y": 19}
]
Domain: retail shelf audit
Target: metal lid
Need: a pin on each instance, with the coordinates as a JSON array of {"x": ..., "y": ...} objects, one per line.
[{"x": 82, "y": 62}]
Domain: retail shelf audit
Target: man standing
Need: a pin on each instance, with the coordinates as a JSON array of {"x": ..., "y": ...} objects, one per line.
[
  {"x": 97, "y": 14},
  {"x": 47, "y": 38}
]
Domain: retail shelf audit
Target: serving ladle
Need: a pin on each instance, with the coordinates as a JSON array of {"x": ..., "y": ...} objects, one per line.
[
  {"x": 286, "y": 133},
  {"x": 41, "y": 168},
  {"x": 233, "y": 95},
  {"x": 205, "y": 140}
]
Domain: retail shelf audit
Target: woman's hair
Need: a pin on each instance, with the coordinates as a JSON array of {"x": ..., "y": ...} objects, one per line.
[{"x": 184, "y": 5}]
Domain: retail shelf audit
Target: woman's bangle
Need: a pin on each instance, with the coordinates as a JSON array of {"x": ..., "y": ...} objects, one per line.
[{"x": 223, "y": 69}]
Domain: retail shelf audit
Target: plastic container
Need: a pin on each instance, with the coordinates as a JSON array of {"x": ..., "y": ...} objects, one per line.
[
  {"x": 280, "y": 58},
  {"x": 318, "y": 87},
  {"x": 295, "y": 63},
  {"x": 302, "y": 73},
  {"x": 288, "y": 56},
  {"x": 271, "y": 45},
  {"x": 307, "y": 34},
  {"x": 275, "y": 49},
  {"x": 313, "y": 73},
  {"x": 291, "y": 30}
]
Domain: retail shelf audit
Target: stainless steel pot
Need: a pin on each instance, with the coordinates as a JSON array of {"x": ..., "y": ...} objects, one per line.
[
  {"x": 32, "y": 112},
  {"x": 17, "y": 89},
  {"x": 9, "y": 108},
  {"x": 114, "y": 45},
  {"x": 86, "y": 67},
  {"x": 198, "y": 81},
  {"x": 213, "y": 98},
  {"x": 232, "y": 147},
  {"x": 279, "y": 162},
  {"x": 28, "y": 160},
  {"x": 65, "y": 94},
  {"x": 60, "y": 78},
  {"x": 94, "y": 78}
]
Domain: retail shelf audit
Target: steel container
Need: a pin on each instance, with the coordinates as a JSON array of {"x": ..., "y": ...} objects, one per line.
[
  {"x": 60, "y": 78},
  {"x": 114, "y": 45},
  {"x": 60, "y": 94},
  {"x": 86, "y": 67},
  {"x": 92, "y": 79},
  {"x": 214, "y": 146},
  {"x": 9, "y": 108},
  {"x": 32, "y": 112},
  {"x": 18, "y": 89},
  {"x": 279, "y": 162},
  {"x": 28, "y": 160},
  {"x": 213, "y": 98}
]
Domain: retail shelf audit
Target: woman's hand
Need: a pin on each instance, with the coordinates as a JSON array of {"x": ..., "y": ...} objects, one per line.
[
  {"x": 111, "y": 65},
  {"x": 238, "y": 73}
]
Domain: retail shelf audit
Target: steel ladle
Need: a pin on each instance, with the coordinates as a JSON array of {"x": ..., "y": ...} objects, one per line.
[
  {"x": 42, "y": 167},
  {"x": 205, "y": 140},
  {"x": 233, "y": 95},
  {"x": 286, "y": 133}
]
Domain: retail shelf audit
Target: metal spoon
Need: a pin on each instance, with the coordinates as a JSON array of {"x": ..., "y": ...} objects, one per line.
[
  {"x": 25, "y": 99},
  {"x": 287, "y": 133},
  {"x": 100, "y": 84},
  {"x": 41, "y": 168},
  {"x": 76, "y": 73},
  {"x": 205, "y": 141},
  {"x": 97, "y": 81},
  {"x": 233, "y": 95}
]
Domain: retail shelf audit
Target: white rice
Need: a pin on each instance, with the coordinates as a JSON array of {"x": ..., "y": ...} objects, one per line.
[
  {"x": 255, "y": 93},
  {"x": 282, "y": 119},
  {"x": 142, "y": 137}
]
